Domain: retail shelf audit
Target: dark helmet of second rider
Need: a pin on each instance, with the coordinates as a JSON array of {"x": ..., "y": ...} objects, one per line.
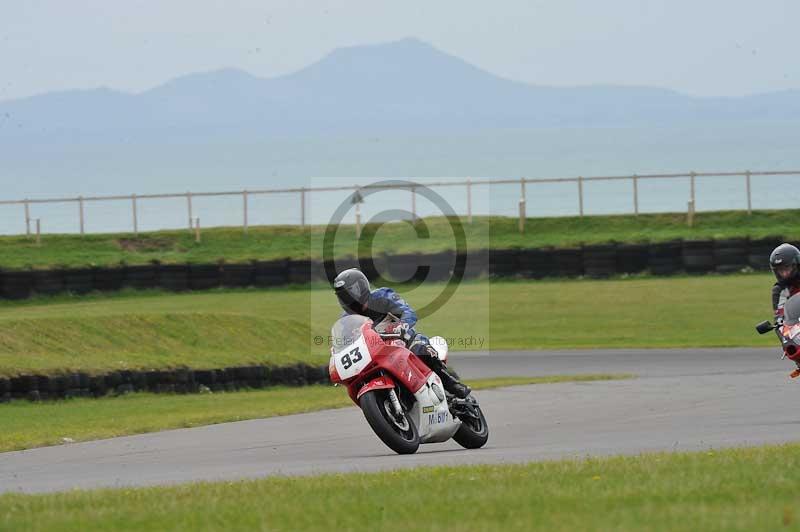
[{"x": 784, "y": 261}]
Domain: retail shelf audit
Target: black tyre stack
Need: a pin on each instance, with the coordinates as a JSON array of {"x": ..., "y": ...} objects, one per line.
[
  {"x": 760, "y": 249},
  {"x": 237, "y": 275},
  {"x": 48, "y": 282},
  {"x": 174, "y": 277},
  {"x": 698, "y": 256},
  {"x": 108, "y": 279},
  {"x": 79, "y": 281},
  {"x": 141, "y": 277},
  {"x": 665, "y": 258},
  {"x": 536, "y": 263},
  {"x": 568, "y": 262},
  {"x": 503, "y": 263},
  {"x": 600, "y": 261},
  {"x": 632, "y": 258},
  {"x": 204, "y": 276},
  {"x": 16, "y": 284},
  {"x": 731, "y": 254},
  {"x": 477, "y": 264},
  {"x": 272, "y": 273}
]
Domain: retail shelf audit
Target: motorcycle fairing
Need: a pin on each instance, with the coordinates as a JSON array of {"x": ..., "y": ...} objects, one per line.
[
  {"x": 383, "y": 382},
  {"x": 352, "y": 359},
  {"x": 431, "y": 414}
]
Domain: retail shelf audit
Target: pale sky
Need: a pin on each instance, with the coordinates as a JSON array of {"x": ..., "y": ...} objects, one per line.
[{"x": 704, "y": 48}]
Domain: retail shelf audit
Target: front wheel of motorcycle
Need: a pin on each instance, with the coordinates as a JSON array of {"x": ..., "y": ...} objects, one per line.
[
  {"x": 399, "y": 434},
  {"x": 474, "y": 431}
]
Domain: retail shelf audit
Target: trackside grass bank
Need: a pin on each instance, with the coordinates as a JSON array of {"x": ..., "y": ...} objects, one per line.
[
  {"x": 26, "y": 425},
  {"x": 275, "y": 242},
  {"x": 737, "y": 489},
  {"x": 280, "y": 326}
]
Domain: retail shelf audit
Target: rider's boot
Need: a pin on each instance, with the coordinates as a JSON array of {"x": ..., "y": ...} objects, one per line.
[{"x": 451, "y": 384}]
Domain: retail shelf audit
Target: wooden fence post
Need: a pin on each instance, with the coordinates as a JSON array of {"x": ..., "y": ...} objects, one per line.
[
  {"x": 749, "y": 198},
  {"x": 244, "y": 205},
  {"x": 27, "y": 218},
  {"x": 80, "y": 207},
  {"x": 189, "y": 207},
  {"x": 135, "y": 216},
  {"x": 303, "y": 206},
  {"x": 469, "y": 200}
]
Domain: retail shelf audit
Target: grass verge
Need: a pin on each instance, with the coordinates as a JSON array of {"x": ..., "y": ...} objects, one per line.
[
  {"x": 222, "y": 328},
  {"x": 26, "y": 425},
  {"x": 735, "y": 489},
  {"x": 272, "y": 242}
]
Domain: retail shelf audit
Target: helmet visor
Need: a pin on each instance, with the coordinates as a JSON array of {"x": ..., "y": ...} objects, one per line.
[{"x": 785, "y": 271}]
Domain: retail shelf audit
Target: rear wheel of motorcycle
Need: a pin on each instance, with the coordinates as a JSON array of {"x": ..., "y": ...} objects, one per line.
[
  {"x": 377, "y": 410},
  {"x": 474, "y": 431}
]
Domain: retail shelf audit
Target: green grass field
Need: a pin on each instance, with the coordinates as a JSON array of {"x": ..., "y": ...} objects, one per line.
[
  {"x": 222, "y": 328},
  {"x": 271, "y": 242},
  {"x": 737, "y": 489},
  {"x": 26, "y": 425}
]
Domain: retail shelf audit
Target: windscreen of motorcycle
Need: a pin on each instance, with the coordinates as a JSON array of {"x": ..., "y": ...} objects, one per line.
[{"x": 349, "y": 351}]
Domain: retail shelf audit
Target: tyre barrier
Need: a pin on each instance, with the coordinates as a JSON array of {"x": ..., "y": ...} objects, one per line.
[
  {"x": 204, "y": 276},
  {"x": 503, "y": 262},
  {"x": 108, "y": 279},
  {"x": 174, "y": 277},
  {"x": 632, "y": 258},
  {"x": 141, "y": 277},
  {"x": 271, "y": 273},
  {"x": 233, "y": 275},
  {"x": 698, "y": 256},
  {"x": 179, "y": 381},
  {"x": 759, "y": 249},
  {"x": 665, "y": 258},
  {"x": 79, "y": 281},
  {"x": 476, "y": 263},
  {"x": 536, "y": 263},
  {"x": 568, "y": 261},
  {"x": 598, "y": 261}
]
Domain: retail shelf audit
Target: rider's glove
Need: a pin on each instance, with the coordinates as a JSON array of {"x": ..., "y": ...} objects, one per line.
[
  {"x": 778, "y": 321},
  {"x": 404, "y": 330},
  {"x": 407, "y": 332}
]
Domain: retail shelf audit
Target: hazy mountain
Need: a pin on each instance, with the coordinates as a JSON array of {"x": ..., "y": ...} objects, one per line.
[{"x": 401, "y": 87}]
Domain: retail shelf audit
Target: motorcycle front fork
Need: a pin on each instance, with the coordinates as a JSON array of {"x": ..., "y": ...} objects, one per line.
[{"x": 398, "y": 409}]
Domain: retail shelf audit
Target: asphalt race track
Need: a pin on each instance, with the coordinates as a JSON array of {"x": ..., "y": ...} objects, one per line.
[{"x": 682, "y": 400}]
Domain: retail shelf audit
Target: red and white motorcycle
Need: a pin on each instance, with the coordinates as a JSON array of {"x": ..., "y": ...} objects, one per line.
[{"x": 402, "y": 398}]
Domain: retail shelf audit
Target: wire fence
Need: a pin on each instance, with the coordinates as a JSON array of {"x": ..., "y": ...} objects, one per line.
[{"x": 243, "y": 208}]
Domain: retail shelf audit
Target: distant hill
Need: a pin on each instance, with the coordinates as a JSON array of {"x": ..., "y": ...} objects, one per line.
[{"x": 400, "y": 87}]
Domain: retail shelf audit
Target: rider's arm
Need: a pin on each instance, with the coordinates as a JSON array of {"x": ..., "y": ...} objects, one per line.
[
  {"x": 402, "y": 310},
  {"x": 391, "y": 302},
  {"x": 779, "y": 296}
]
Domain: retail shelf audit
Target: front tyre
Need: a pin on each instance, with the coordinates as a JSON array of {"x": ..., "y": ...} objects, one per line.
[
  {"x": 399, "y": 434},
  {"x": 474, "y": 431}
]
